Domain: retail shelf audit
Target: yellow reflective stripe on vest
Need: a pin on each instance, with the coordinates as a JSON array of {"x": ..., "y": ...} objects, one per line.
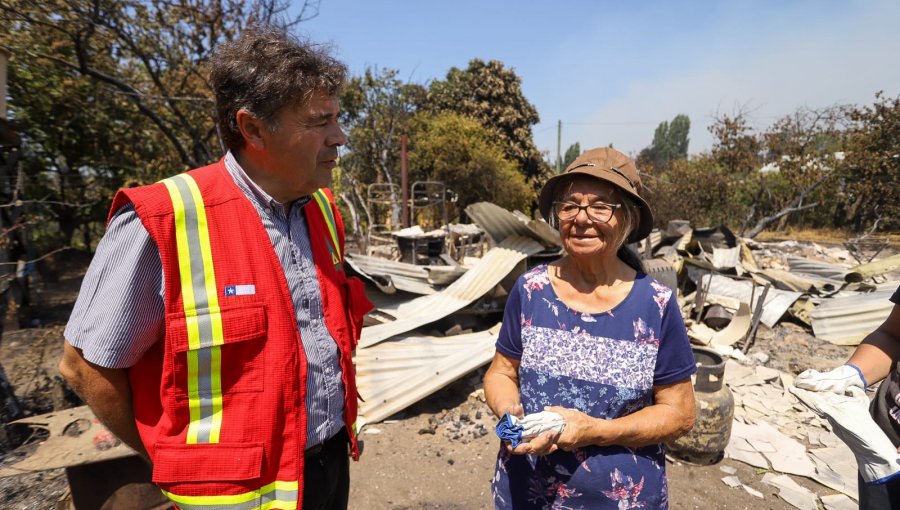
[
  {"x": 325, "y": 206},
  {"x": 274, "y": 495},
  {"x": 201, "y": 310}
]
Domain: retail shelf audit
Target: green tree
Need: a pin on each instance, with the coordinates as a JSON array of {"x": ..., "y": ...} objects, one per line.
[
  {"x": 871, "y": 170},
  {"x": 800, "y": 148},
  {"x": 571, "y": 154},
  {"x": 77, "y": 161},
  {"x": 492, "y": 94},
  {"x": 670, "y": 143},
  {"x": 736, "y": 148},
  {"x": 376, "y": 111},
  {"x": 698, "y": 190},
  {"x": 462, "y": 153},
  {"x": 153, "y": 54},
  {"x": 109, "y": 93}
]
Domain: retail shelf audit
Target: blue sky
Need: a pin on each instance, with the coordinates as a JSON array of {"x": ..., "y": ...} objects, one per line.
[{"x": 611, "y": 71}]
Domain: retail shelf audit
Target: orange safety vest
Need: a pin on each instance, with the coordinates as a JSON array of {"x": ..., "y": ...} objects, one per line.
[{"x": 220, "y": 402}]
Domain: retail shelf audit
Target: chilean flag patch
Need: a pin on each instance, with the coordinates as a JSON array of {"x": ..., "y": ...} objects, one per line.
[{"x": 240, "y": 290}]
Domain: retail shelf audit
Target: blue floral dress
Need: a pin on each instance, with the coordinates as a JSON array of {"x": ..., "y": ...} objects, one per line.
[{"x": 604, "y": 365}]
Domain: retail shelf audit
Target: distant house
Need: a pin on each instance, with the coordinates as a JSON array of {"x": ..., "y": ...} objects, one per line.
[{"x": 774, "y": 168}]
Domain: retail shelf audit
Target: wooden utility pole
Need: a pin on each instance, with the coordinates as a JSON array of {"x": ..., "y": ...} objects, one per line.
[
  {"x": 559, "y": 146},
  {"x": 404, "y": 186}
]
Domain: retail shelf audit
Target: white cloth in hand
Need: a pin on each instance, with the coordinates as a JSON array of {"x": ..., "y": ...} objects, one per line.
[
  {"x": 836, "y": 380},
  {"x": 848, "y": 413},
  {"x": 536, "y": 424}
]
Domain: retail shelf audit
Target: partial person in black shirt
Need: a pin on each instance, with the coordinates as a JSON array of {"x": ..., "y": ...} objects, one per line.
[{"x": 877, "y": 358}]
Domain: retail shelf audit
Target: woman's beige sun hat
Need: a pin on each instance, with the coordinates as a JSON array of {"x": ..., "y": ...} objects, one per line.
[{"x": 609, "y": 165}]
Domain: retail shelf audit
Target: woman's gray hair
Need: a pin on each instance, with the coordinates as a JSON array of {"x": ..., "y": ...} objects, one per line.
[
  {"x": 631, "y": 218},
  {"x": 263, "y": 71}
]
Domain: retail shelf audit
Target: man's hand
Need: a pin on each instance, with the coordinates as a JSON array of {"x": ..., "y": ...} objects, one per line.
[
  {"x": 837, "y": 380},
  {"x": 108, "y": 393}
]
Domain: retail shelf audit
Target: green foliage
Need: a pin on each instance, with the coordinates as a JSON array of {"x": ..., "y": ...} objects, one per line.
[
  {"x": 461, "y": 153},
  {"x": 445, "y": 145},
  {"x": 737, "y": 149},
  {"x": 802, "y": 148},
  {"x": 492, "y": 94},
  {"x": 376, "y": 110},
  {"x": 871, "y": 170},
  {"x": 698, "y": 190},
  {"x": 670, "y": 143},
  {"x": 730, "y": 186},
  {"x": 571, "y": 154},
  {"x": 106, "y": 93}
]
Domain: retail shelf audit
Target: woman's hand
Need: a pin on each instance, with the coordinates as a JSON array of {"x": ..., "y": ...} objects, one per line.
[
  {"x": 579, "y": 428},
  {"x": 543, "y": 444},
  {"x": 512, "y": 408}
]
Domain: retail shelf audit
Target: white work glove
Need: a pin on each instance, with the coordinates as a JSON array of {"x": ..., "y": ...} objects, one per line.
[
  {"x": 536, "y": 424},
  {"x": 836, "y": 380},
  {"x": 848, "y": 413}
]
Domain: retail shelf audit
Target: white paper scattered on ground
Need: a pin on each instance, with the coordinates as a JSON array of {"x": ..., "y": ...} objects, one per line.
[
  {"x": 789, "y": 455},
  {"x": 839, "y": 502},
  {"x": 732, "y": 481},
  {"x": 792, "y": 492},
  {"x": 770, "y": 431},
  {"x": 835, "y": 470},
  {"x": 753, "y": 492}
]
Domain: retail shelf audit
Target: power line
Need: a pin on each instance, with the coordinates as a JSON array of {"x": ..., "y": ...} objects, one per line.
[{"x": 612, "y": 123}]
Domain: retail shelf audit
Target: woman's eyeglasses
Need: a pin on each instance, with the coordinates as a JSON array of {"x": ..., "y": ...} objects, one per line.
[{"x": 600, "y": 212}]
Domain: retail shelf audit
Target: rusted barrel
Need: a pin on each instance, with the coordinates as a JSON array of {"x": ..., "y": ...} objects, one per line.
[{"x": 706, "y": 442}]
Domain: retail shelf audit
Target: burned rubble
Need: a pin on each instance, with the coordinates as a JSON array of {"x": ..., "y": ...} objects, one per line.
[{"x": 438, "y": 311}]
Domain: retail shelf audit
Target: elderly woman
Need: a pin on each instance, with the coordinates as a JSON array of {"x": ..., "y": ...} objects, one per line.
[{"x": 595, "y": 339}]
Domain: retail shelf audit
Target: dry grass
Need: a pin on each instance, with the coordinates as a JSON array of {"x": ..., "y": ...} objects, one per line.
[{"x": 827, "y": 236}]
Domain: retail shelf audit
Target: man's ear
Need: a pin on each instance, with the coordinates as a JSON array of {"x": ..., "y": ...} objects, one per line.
[{"x": 252, "y": 129}]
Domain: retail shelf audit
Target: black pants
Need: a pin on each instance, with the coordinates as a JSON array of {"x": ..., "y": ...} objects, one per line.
[
  {"x": 879, "y": 497},
  {"x": 326, "y": 477}
]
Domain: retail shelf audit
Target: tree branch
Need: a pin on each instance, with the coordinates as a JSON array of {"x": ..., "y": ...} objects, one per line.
[{"x": 135, "y": 96}]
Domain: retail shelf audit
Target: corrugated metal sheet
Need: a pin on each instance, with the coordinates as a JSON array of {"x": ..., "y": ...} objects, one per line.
[
  {"x": 874, "y": 268},
  {"x": 500, "y": 224},
  {"x": 777, "y": 301},
  {"x": 832, "y": 273},
  {"x": 548, "y": 234},
  {"x": 399, "y": 372},
  {"x": 726, "y": 258},
  {"x": 854, "y": 289},
  {"x": 654, "y": 239},
  {"x": 800, "y": 282},
  {"x": 444, "y": 275},
  {"x": 390, "y": 276},
  {"x": 847, "y": 320},
  {"x": 478, "y": 281}
]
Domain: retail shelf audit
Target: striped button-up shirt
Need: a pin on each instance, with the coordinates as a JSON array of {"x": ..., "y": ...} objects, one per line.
[{"x": 120, "y": 311}]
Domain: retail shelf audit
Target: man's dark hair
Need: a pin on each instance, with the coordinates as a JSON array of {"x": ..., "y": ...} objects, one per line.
[{"x": 263, "y": 71}]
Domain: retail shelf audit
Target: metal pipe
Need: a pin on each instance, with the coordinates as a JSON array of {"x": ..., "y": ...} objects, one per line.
[{"x": 757, "y": 315}]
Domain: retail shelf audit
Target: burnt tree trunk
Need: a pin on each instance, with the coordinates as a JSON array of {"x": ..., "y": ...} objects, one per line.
[{"x": 10, "y": 241}]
